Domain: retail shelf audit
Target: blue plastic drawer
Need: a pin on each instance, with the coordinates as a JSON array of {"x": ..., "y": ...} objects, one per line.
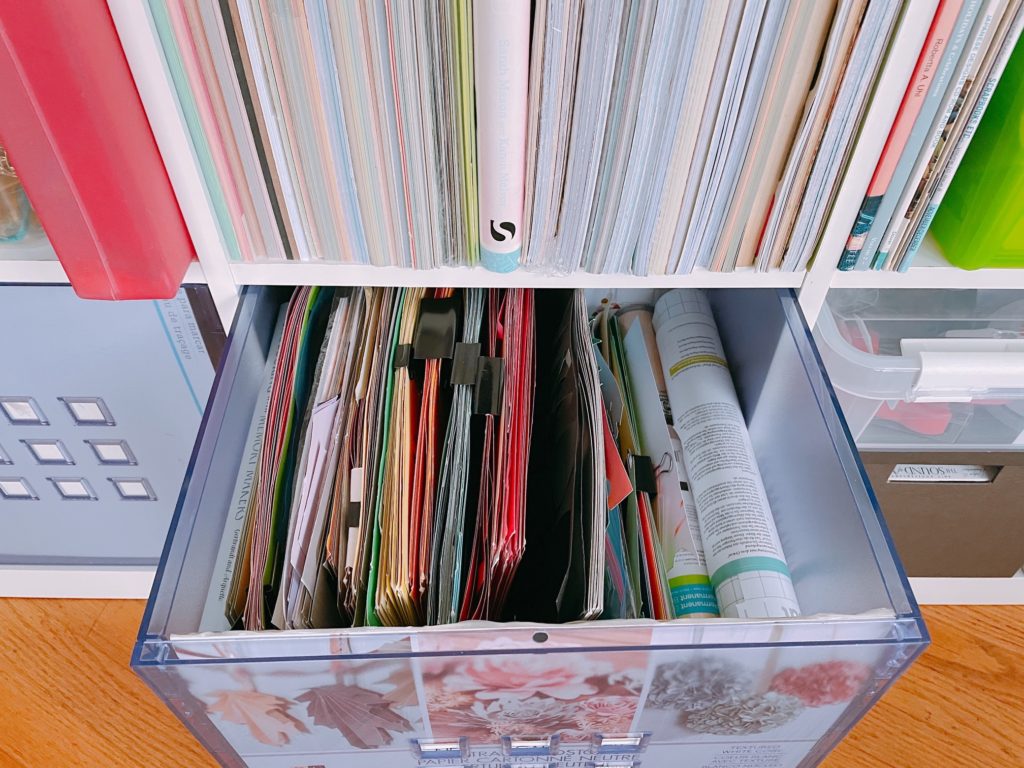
[{"x": 775, "y": 692}]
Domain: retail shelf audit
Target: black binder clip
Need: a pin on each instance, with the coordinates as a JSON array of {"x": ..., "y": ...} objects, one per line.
[
  {"x": 464, "y": 364},
  {"x": 644, "y": 476},
  {"x": 434, "y": 338},
  {"x": 403, "y": 354},
  {"x": 353, "y": 510},
  {"x": 490, "y": 375}
]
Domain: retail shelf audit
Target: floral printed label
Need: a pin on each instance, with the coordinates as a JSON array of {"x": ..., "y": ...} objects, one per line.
[{"x": 572, "y": 694}]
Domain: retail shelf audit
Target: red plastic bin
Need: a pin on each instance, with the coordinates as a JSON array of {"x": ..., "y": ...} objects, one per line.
[{"x": 75, "y": 129}]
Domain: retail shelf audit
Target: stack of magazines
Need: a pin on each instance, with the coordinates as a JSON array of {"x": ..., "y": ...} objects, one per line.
[
  {"x": 428, "y": 456},
  {"x": 609, "y": 136},
  {"x": 965, "y": 52}
]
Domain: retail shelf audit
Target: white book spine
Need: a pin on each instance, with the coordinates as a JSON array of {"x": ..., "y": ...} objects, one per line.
[{"x": 501, "y": 46}]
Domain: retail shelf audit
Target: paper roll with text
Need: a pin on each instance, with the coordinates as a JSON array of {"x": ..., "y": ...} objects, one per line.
[
  {"x": 745, "y": 560},
  {"x": 501, "y": 45},
  {"x": 688, "y": 580}
]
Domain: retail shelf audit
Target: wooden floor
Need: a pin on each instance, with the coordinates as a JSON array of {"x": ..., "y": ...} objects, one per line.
[{"x": 68, "y": 698}]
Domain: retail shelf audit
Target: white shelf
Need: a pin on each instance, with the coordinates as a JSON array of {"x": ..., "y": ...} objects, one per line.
[
  {"x": 43, "y": 271},
  {"x": 931, "y": 270},
  {"x": 31, "y": 271},
  {"x": 963, "y": 591},
  {"x": 194, "y": 274},
  {"x": 303, "y": 273},
  {"x": 76, "y": 582}
]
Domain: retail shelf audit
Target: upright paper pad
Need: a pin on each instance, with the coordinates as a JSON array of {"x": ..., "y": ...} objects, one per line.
[
  {"x": 501, "y": 43},
  {"x": 563, "y": 135}
]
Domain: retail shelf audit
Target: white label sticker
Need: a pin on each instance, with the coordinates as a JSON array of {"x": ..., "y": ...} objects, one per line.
[
  {"x": 355, "y": 484},
  {"x": 943, "y": 473}
]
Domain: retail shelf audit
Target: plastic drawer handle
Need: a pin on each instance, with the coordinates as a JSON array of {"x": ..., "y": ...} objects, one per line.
[
  {"x": 861, "y": 373},
  {"x": 608, "y": 743},
  {"x": 966, "y": 375},
  {"x": 530, "y": 745},
  {"x": 440, "y": 749}
]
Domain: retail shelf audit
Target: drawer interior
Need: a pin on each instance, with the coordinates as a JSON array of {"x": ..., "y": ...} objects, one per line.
[{"x": 839, "y": 552}]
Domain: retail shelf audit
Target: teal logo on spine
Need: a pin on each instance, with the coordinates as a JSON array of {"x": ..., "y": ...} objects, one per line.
[
  {"x": 504, "y": 227},
  {"x": 497, "y": 261},
  {"x": 693, "y": 597}
]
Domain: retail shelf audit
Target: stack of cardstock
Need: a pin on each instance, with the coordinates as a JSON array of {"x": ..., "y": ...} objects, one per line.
[
  {"x": 302, "y": 328},
  {"x": 306, "y": 586},
  {"x": 503, "y": 401},
  {"x": 648, "y": 137},
  {"x": 562, "y": 575},
  {"x": 332, "y": 131},
  {"x": 444, "y": 589},
  {"x": 672, "y": 147},
  {"x": 393, "y": 448},
  {"x": 426, "y": 456}
]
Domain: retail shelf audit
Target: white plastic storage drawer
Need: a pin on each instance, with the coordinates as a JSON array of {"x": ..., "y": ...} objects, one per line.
[
  {"x": 99, "y": 407},
  {"x": 927, "y": 370},
  {"x": 711, "y": 692}
]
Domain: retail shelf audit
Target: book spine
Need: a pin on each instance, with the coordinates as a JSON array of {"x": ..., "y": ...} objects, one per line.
[
  {"x": 942, "y": 123},
  {"x": 960, "y": 148},
  {"x": 501, "y": 47},
  {"x": 852, "y": 105},
  {"x": 947, "y": 53},
  {"x": 927, "y": 58}
]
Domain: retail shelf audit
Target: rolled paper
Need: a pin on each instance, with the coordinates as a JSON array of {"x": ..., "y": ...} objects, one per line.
[
  {"x": 501, "y": 53},
  {"x": 744, "y": 556}
]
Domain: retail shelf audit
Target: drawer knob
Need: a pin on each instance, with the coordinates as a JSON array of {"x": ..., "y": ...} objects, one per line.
[
  {"x": 440, "y": 749},
  {"x": 530, "y": 745},
  {"x": 621, "y": 743}
]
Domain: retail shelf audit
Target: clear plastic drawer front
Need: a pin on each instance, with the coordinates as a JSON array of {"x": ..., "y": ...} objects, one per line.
[
  {"x": 917, "y": 370},
  {"x": 777, "y": 692}
]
